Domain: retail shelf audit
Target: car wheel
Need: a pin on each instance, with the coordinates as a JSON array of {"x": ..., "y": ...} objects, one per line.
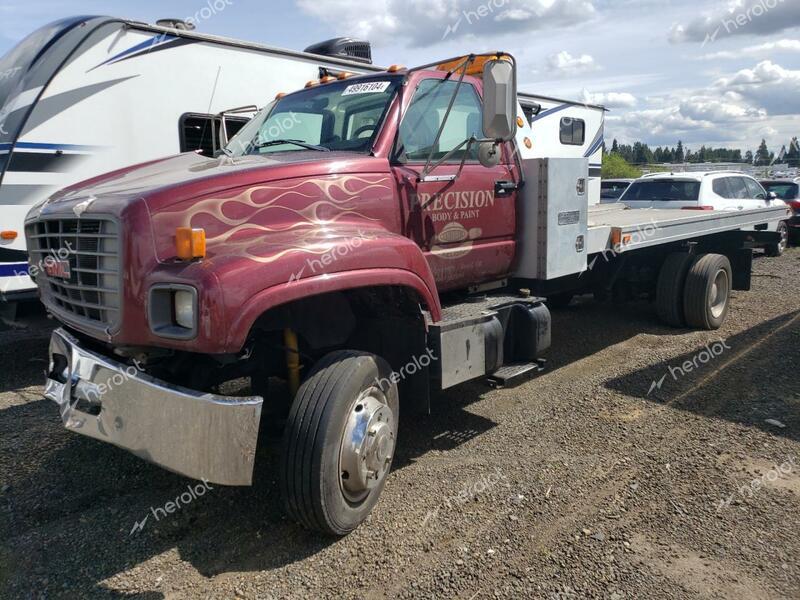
[
  {"x": 339, "y": 442},
  {"x": 779, "y": 248},
  {"x": 707, "y": 292}
]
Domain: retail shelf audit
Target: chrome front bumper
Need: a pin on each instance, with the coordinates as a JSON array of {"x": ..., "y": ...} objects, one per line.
[{"x": 202, "y": 436}]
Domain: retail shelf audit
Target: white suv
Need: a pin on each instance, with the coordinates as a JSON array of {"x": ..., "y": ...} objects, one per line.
[{"x": 721, "y": 190}]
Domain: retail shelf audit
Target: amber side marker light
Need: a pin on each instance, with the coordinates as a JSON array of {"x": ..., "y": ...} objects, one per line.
[
  {"x": 8, "y": 235},
  {"x": 190, "y": 243}
]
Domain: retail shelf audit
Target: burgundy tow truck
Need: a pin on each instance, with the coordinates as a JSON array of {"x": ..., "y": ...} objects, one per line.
[{"x": 366, "y": 239}]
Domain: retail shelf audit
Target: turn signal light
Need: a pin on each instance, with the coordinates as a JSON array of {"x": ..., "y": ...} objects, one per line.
[
  {"x": 190, "y": 243},
  {"x": 8, "y": 235}
]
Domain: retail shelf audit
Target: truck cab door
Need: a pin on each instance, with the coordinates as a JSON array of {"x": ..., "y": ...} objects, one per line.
[{"x": 465, "y": 220}]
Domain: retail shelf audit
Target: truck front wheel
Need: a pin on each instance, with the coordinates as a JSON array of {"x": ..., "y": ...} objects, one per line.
[
  {"x": 707, "y": 293},
  {"x": 339, "y": 442}
]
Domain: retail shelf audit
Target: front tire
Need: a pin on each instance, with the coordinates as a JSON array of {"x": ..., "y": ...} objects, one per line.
[
  {"x": 707, "y": 292},
  {"x": 339, "y": 442}
]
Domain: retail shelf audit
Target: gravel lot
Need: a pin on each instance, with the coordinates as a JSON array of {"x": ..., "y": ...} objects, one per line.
[{"x": 589, "y": 481}]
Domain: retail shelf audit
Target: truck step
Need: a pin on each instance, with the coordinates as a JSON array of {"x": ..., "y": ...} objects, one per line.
[{"x": 514, "y": 374}]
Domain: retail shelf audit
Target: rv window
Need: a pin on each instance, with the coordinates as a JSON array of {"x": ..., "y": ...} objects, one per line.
[
  {"x": 196, "y": 131},
  {"x": 573, "y": 131}
]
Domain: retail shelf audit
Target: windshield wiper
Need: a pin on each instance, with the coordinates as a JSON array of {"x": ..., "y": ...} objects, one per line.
[{"x": 300, "y": 143}]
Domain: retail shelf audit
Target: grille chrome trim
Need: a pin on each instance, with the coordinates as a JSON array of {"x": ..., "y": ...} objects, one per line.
[{"x": 92, "y": 294}]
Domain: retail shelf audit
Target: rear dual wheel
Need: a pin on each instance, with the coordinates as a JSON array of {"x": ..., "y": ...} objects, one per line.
[
  {"x": 339, "y": 442},
  {"x": 694, "y": 291}
]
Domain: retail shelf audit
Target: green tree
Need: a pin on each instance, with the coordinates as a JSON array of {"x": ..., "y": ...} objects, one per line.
[
  {"x": 762, "y": 154},
  {"x": 616, "y": 167},
  {"x": 679, "y": 155}
]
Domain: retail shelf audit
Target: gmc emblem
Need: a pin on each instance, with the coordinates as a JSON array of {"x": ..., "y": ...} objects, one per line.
[{"x": 57, "y": 268}]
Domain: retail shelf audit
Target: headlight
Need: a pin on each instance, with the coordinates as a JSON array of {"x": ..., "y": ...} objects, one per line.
[
  {"x": 184, "y": 308},
  {"x": 172, "y": 311}
]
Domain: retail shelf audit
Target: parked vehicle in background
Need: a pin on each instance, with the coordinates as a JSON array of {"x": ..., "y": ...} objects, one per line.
[
  {"x": 565, "y": 129},
  {"x": 718, "y": 191},
  {"x": 612, "y": 189},
  {"x": 788, "y": 190}
]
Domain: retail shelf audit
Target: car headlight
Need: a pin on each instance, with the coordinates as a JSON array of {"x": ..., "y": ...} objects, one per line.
[{"x": 172, "y": 311}]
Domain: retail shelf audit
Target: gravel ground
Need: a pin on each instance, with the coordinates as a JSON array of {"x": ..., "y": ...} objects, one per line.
[{"x": 589, "y": 481}]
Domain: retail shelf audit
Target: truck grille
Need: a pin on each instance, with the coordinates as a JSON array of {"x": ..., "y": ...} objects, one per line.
[{"x": 77, "y": 267}]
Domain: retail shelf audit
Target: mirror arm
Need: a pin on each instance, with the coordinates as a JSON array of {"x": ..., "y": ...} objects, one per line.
[
  {"x": 426, "y": 171},
  {"x": 470, "y": 142}
]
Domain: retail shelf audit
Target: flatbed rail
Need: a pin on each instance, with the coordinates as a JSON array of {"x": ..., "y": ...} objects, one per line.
[{"x": 618, "y": 229}]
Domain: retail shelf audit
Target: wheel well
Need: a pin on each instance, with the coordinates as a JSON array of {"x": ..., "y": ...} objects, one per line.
[{"x": 384, "y": 320}]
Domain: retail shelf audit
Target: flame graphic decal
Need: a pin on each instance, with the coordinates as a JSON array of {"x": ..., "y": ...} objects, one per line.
[{"x": 266, "y": 222}]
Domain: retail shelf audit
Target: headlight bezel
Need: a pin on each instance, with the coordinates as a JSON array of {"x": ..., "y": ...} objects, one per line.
[{"x": 162, "y": 311}]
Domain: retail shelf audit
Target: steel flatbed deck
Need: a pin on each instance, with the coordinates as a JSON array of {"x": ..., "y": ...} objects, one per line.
[{"x": 613, "y": 227}]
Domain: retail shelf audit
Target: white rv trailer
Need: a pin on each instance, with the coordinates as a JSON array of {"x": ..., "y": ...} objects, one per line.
[
  {"x": 87, "y": 95},
  {"x": 564, "y": 129}
]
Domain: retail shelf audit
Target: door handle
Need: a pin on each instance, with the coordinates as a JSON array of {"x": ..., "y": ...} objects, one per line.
[{"x": 504, "y": 188}]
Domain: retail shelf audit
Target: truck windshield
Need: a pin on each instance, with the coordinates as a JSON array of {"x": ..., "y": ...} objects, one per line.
[
  {"x": 663, "y": 189},
  {"x": 344, "y": 116}
]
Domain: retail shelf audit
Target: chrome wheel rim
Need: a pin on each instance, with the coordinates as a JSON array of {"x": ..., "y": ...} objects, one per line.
[
  {"x": 719, "y": 294},
  {"x": 367, "y": 445}
]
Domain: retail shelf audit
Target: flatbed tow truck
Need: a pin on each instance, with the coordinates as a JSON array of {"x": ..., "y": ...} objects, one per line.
[{"x": 396, "y": 241}]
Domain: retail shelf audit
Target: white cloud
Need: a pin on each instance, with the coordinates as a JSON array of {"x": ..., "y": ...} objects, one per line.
[
  {"x": 767, "y": 48},
  {"x": 739, "y": 17},
  {"x": 767, "y": 85},
  {"x": 386, "y": 21},
  {"x": 736, "y": 110},
  {"x": 566, "y": 64},
  {"x": 610, "y": 99}
]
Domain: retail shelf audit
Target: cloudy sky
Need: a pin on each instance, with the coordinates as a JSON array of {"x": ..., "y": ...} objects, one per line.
[{"x": 714, "y": 72}]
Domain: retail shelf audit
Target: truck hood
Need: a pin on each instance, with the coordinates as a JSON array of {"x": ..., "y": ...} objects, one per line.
[{"x": 173, "y": 180}]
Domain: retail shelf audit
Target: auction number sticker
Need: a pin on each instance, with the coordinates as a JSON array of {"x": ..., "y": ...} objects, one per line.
[{"x": 371, "y": 87}]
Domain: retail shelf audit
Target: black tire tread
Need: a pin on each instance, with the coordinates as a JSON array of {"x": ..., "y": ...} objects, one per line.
[
  {"x": 703, "y": 268},
  {"x": 670, "y": 287},
  {"x": 301, "y": 436},
  {"x": 774, "y": 250}
]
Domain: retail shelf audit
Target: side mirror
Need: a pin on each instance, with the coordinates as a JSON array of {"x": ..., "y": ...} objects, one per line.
[
  {"x": 489, "y": 154},
  {"x": 500, "y": 99},
  {"x": 772, "y": 196}
]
